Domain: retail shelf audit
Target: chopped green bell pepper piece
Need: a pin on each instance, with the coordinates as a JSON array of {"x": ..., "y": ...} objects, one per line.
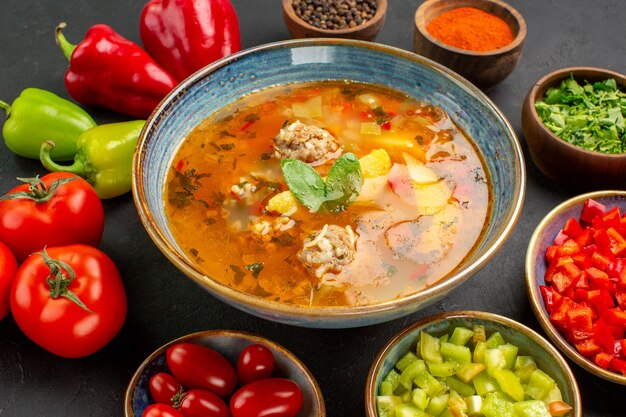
[
  {"x": 466, "y": 371},
  {"x": 494, "y": 359},
  {"x": 438, "y": 404},
  {"x": 532, "y": 408},
  {"x": 444, "y": 338},
  {"x": 410, "y": 372},
  {"x": 493, "y": 406},
  {"x": 442, "y": 369},
  {"x": 456, "y": 404},
  {"x": 479, "y": 333},
  {"x": 419, "y": 398},
  {"x": 479, "y": 352},
  {"x": 524, "y": 361},
  {"x": 393, "y": 379},
  {"x": 386, "y": 389},
  {"x": 465, "y": 390},
  {"x": 539, "y": 385},
  {"x": 474, "y": 404},
  {"x": 409, "y": 410},
  {"x": 484, "y": 384},
  {"x": 406, "y": 360},
  {"x": 386, "y": 405},
  {"x": 461, "y": 335},
  {"x": 495, "y": 340},
  {"x": 510, "y": 354},
  {"x": 553, "y": 395},
  {"x": 430, "y": 348},
  {"x": 509, "y": 383},
  {"x": 456, "y": 353},
  {"x": 428, "y": 383}
]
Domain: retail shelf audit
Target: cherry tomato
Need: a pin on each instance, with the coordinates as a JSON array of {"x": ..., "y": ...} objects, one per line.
[
  {"x": 161, "y": 410},
  {"x": 165, "y": 389},
  {"x": 58, "y": 209},
  {"x": 202, "y": 403},
  {"x": 8, "y": 267},
  {"x": 197, "y": 366},
  {"x": 70, "y": 300},
  {"x": 255, "y": 362},
  {"x": 272, "y": 397}
]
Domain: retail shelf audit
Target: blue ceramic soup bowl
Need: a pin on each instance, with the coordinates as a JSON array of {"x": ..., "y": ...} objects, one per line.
[
  {"x": 225, "y": 81},
  {"x": 547, "y": 358},
  {"x": 229, "y": 343},
  {"x": 536, "y": 267}
]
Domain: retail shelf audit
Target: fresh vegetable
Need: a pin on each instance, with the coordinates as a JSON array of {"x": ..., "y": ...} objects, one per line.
[
  {"x": 55, "y": 210},
  {"x": 341, "y": 188},
  {"x": 197, "y": 366},
  {"x": 161, "y": 410},
  {"x": 8, "y": 268},
  {"x": 444, "y": 377},
  {"x": 104, "y": 157},
  {"x": 165, "y": 389},
  {"x": 590, "y": 116},
  {"x": 70, "y": 300},
  {"x": 585, "y": 291},
  {"x": 255, "y": 362},
  {"x": 273, "y": 397},
  {"x": 186, "y": 35},
  {"x": 107, "y": 70},
  {"x": 38, "y": 115},
  {"x": 201, "y": 403}
]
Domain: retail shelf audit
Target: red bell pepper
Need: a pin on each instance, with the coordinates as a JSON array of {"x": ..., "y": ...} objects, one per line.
[
  {"x": 107, "y": 70},
  {"x": 591, "y": 209},
  {"x": 186, "y": 35},
  {"x": 604, "y": 360}
]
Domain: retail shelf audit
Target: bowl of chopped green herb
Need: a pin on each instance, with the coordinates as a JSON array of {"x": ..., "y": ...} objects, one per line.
[{"x": 573, "y": 122}]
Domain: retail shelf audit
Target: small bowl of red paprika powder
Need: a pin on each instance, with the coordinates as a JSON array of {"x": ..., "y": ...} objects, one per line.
[{"x": 482, "y": 40}]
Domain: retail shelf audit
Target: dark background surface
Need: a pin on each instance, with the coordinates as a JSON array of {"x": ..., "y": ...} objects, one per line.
[{"x": 164, "y": 304}]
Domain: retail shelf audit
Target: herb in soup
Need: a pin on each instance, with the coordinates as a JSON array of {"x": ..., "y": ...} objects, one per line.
[{"x": 329, "y": 193}]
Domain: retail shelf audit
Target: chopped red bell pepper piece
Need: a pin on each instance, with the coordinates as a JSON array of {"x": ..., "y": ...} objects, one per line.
[
  {"x": 550, "y": 297},
  {"x": 585, "y": 237},
  {"x": 614, "y": 317},
  {"x": 558, "y": 317},
  {"x": 603, "y": 360},
  {"x": 622, "y": 343},
  {"x": 588, "y": 348},
  {"x": 572, "y": 228},
  {"x": 615, "y": 268},
  {"x": 602, "y": 335},
  {"x": 617, "y": 242},
  {"x": 600, "y": 261},
  {"x": 591, "y": 209},
  {"x": 603, "y": 242},
  {"x": 569, "y": 248},
  {"x": 551, "y": 252},
  {"x": 619, "y": 365},
  {"x": 579, "y": 321},
  {"x": 562, "y": 282},
  {"x": 598, "y": 279},
  {"x": 620, "y": 297}
]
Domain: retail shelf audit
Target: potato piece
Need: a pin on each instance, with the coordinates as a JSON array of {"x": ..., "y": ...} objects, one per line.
[
  {"x": 375, "y": 164},
  {"x": 282, "y": 203}
]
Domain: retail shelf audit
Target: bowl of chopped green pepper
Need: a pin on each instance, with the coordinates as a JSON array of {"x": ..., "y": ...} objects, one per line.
[
  {"x": 573, "y": 121},
  {"x": 470, "y": 363}
]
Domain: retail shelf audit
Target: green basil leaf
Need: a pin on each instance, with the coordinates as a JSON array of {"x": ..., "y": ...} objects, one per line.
[
  {"x": 305, "y": 183},
  {"x": 343, "y": 183}
]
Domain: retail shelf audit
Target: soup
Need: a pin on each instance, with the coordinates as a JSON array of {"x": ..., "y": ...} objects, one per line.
[{"x": 328, "y": 193}]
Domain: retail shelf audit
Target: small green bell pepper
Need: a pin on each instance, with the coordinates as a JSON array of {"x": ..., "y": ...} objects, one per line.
[
  {"x": 39, "y": 115},
  {"x": 104, "y": 157}
]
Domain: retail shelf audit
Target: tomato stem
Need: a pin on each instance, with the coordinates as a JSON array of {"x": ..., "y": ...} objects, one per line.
[
  {"x": 59, "y": 282},
  {"x": 37, "y": 189}
]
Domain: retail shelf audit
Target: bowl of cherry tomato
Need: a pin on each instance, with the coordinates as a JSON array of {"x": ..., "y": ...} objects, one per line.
[
  {"x": 576, "y": 281},
  {"x": 223, "y": 373}
]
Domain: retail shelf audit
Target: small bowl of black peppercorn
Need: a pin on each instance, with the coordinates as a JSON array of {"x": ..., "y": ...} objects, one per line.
[{"x": 354, "y": 19}]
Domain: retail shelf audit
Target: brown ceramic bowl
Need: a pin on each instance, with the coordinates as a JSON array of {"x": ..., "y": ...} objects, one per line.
[
  {"x": 485, "y": 69},
  {"x": 561, "y": 161},
  {"x": 366, "y": 31},
  {"x": 229, "y": 343}
]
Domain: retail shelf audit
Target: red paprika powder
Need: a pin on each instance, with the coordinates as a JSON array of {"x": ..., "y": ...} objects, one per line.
[{"x": 471, "y": 29}]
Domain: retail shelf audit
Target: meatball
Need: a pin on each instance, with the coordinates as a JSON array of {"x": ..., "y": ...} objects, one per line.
[
  {"x": 307, "y": 143},
  {"x": 328, "y": 250}
]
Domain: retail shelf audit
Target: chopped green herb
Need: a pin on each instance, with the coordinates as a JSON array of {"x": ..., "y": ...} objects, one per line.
[
  {"x": 216, "y": 146},
  {"x": 239, "y": 274},
  {"x": 210, "y": 221},
  {"x": 181, "y": 193},
  {"x": 342, "y": 186},
  {"x": 265, "y": 156},
  {"x": 286, "y": 122},
  {"x": 251, "y": 118},
  {"x": 255, "y": 268},
  {"x": 589, "y": 116},
  {"x": 193, "y": 251},
  {"x": 284, "y": 240},
  {"x": 226, "y": 133},
  {"x": 227, "y": 146}
]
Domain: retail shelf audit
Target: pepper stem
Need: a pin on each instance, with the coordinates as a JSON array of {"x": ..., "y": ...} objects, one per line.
[
  {"x": 37, "y": 189},
  {"x": 78, "y": 167},
  {"x": 6, "y": 107},
  {"x": 66, "y": 47},
  {"x": 59, "y": 282}
]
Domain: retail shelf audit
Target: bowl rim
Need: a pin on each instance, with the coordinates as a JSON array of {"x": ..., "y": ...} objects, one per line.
[
  {"x": 518, "y": 40},
  {"x": 535, "y": 298},
  {"x": 309, "y": 313},
  {"x": 381, "y": 11},
  {"x": 555, "y": 77},
  {"x": 370, "y": 388},
  {"x": 253, "y": 338}
]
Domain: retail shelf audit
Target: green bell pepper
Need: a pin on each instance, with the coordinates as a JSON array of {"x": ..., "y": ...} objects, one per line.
[
  {"x": 104, "y": 157},
  {"x": 39, "y": 115}
]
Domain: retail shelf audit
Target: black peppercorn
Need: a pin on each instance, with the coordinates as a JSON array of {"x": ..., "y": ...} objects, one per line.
[{"x": 335, "y": 14}]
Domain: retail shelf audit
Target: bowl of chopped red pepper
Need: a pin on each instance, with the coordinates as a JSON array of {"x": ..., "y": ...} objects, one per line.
[{"x": 576, "y": 281}]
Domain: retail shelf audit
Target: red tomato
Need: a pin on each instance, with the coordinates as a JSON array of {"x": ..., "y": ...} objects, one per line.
[
  {"x": 201, "y": 403},
  {"x": 73, "y": 214},
  {"x": 55, "y": 322},
  {"x": 198, "y": 366},
  {"x": 273, "y": 397},
  {"x": 164, "y": 387},
  {"x": 255, "y": 362},
  {"x": 161, "y": 410},
  {"x": 8, "y": 267}
]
